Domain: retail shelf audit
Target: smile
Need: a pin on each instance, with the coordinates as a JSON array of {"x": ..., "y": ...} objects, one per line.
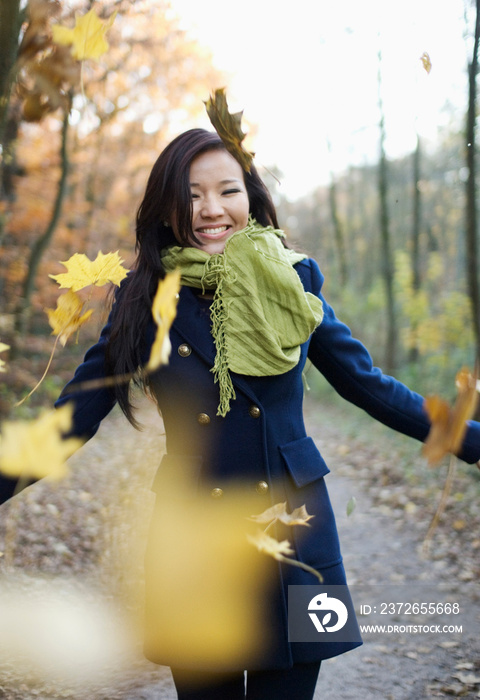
[{"x": 213, "y": 231}]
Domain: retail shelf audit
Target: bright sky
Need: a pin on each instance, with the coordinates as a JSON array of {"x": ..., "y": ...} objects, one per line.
[{"x": 305, "y": 73}]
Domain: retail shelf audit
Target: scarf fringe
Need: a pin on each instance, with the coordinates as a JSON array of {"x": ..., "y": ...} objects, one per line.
[{"x": 219, "y": 317}]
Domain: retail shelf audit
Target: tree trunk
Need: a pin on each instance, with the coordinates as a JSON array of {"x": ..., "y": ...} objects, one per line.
[
  {"x": 338, "y": 233},
  {"x": 415, "y": 257},
  {"x": 387, "y": 266},
  {"x": 471, "y": 194},
  {"x": 41, "y": 244},
  {"x": 10, "y": 23}
]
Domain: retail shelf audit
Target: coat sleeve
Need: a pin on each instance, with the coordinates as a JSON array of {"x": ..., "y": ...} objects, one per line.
[
  {"x": 91, "y": 405},
  {"x": 348, "y": 367}
]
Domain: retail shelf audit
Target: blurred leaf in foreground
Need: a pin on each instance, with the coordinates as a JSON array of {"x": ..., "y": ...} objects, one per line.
[
  {"x": 36, "y": 449},
  {"x": 164, "y": 309}
]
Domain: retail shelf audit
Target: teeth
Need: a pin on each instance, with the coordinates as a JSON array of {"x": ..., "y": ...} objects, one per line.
[{"x": 219, "y": 229}]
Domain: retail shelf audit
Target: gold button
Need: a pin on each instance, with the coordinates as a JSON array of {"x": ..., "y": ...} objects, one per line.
[
  {"x": 184, "y": 350},
  {"x": 254, "y": 411},
  {"x": 216, "y": 493},
  {"x": 261, "y": 487},
  {"x": 203, "y": 419}
]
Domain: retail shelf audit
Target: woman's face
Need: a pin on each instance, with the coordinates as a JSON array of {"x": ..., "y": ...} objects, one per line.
[{"x": 220, "y": 205}]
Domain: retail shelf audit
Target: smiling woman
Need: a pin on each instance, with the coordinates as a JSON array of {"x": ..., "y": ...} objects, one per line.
[
  {"x": 231, "y": 403},
  {"x": 220, "y": 205}
]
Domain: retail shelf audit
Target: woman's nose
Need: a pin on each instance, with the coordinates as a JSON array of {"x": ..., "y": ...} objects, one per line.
[{"x": 211, "y": 206}]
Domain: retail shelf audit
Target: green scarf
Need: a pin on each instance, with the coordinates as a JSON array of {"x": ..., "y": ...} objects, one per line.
[{"x": 260, "y": 312}]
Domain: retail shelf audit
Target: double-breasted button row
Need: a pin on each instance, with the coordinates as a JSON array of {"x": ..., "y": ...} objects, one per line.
[
  {"x": 184, "y": 350},
  {"x": 261, "y": 487},
  {"x": 203, "y": 418}
]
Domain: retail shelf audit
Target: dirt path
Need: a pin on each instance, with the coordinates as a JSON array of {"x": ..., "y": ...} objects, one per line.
[
  {"x": 381, "y": 542},
  {"x": 383, "y": 547}
]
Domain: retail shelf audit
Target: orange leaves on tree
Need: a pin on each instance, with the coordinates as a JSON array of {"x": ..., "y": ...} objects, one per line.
[
  {"x": 229, "y": 128},
  {"x": 449, "y": 424},
  {"x": 46, "y": 73},
  {"x": 426, "y": 62},
  {"x": 35, "y": 449},
  {"x": 67, "y": 317},
  {"x": 164, "y": 309},
  {"x": 87, "y": 38},
  {"x": 83, "y": 272}
]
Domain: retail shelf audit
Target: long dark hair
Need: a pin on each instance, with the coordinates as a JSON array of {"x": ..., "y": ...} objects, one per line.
[{"x": 167, "y": 195}]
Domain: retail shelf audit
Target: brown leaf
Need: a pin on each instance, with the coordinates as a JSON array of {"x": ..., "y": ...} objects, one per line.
[
  {"x": 229, "y": 128},
  {"x": 449, "y": 424}
]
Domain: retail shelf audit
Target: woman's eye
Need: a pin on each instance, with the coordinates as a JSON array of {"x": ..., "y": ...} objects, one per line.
[
  {"x": 194, "y": 196},
  {"x": 230, "y": 191}
]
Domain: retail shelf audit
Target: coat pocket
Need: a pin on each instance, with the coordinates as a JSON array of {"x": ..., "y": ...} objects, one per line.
[
  {"x": 304, "y": 462},
  {"x": 317, "y": 544}
]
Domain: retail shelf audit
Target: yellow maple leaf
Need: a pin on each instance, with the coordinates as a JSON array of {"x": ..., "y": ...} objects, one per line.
[
  {"x": 449, "y": 424},
  {"x": 36, "y": 448},
  {"x": 87, "y": 38},
  {"x": 82, "y": 272},
  {"x": 278, "y": 512},
  {"x": 67, "y": 317},
  {"x": 164, "y": 309},
  {"x": 3, "y": 347}
]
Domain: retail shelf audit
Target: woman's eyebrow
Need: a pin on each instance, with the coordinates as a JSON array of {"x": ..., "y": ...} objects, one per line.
[{"x": 222, "y": 182}]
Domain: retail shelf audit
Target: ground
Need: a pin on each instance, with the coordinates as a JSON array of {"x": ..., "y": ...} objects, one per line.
[{"x": 80, "y": 534}]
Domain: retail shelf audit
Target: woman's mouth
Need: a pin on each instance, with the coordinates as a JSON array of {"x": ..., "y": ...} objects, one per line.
[{"x": 213, "y": 232}]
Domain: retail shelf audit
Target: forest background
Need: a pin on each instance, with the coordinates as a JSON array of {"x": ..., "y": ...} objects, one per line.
[{"x": 396, "y": 239}]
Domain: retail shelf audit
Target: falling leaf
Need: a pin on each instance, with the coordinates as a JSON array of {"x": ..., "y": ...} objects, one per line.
[
  {"x": 67, "y": 317},
  {"x": 36, "y": 449},
  {"x": 164, "y": 309},
  {"x": 87, "y": 38},
  {"x": 229, "y": 128},
  {"x": 83, "y": 272},
  {"x": 3, "y": 347},
  {"x": 278, "y": 512},
  {"x": 425, "y": 59},
  {"x": 449, "y": 424},
  {"x": 269, "y": 545},
  {"x": 351, "y": 505},
  {"x": 278, "y": 550}
]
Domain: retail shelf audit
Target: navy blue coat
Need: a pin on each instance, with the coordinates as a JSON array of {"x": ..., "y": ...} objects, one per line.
[{"x": 263, "y": 437}]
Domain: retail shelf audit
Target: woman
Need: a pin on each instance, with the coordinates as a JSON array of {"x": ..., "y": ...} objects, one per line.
[{"x": 250, "y": 312}]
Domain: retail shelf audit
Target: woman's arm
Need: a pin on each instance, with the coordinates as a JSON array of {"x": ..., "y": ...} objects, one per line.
[
  {"x": 348, "y": 367},
  {"x": 90, "y": 405}
]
